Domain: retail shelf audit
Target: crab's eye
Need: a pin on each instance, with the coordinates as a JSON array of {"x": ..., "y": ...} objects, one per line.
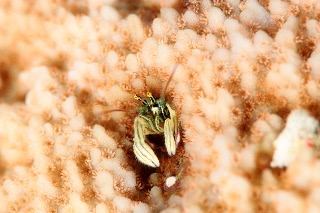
[
  {"x": 137, "y": 97},
  {"x": 149, "y": 94}
]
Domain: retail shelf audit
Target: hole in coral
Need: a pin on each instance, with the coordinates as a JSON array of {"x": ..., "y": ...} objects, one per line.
[
  {"x": 5, "y": 79},
  {"x": 306, "y": 47},
  {"x": 148, "y": 177},
  {"x": 79, "y": 7}
]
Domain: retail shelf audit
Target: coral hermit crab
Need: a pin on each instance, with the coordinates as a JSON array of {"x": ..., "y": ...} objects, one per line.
[{"x": 155, "y": 116}]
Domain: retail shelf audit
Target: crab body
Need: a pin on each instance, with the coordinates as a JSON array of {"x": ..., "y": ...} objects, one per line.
[{"x": 155, "y": 116}]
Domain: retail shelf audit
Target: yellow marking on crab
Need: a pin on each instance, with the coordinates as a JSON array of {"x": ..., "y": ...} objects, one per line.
[
  {"x": 137, "y": 97},
  {"x": 149, "y": 94}
]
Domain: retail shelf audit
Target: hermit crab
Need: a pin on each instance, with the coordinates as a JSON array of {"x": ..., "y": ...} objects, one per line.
[{"x": 155, "y": 116}]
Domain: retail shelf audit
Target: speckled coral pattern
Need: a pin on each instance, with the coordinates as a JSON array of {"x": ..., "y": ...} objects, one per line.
[{"x": 68, "y": 74}]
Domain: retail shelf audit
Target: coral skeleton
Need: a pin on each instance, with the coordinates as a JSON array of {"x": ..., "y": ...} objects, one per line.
[
  {"x": 301, "y": 130},
  {"x": 246, "y": 94}
]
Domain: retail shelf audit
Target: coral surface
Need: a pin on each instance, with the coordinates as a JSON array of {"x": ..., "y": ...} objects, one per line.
[{"x": 68, "y": 74}]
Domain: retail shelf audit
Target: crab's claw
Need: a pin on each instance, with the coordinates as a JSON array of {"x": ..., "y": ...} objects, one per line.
[
  {"x": 171, "y": 132},
  {"x": 141, "y": 149}
]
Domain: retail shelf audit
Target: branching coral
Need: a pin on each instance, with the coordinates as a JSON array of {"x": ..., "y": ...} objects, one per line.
[{"x": 65, "y": 68}]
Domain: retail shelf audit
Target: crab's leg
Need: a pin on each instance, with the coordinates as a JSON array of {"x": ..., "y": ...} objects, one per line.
[
  {"x": 141, "y": 149},
  {"x": 154, "y": 129},
  {"x": 157, "y": 121}
]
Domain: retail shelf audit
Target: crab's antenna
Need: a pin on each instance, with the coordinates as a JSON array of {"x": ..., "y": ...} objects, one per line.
[
  {"x": 120, "y": 110},
  {"x": 170, "y": 78}
]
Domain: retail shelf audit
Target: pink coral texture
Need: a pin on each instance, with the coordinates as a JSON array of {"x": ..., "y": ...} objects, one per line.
[{"x": 246, "y": 92}]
